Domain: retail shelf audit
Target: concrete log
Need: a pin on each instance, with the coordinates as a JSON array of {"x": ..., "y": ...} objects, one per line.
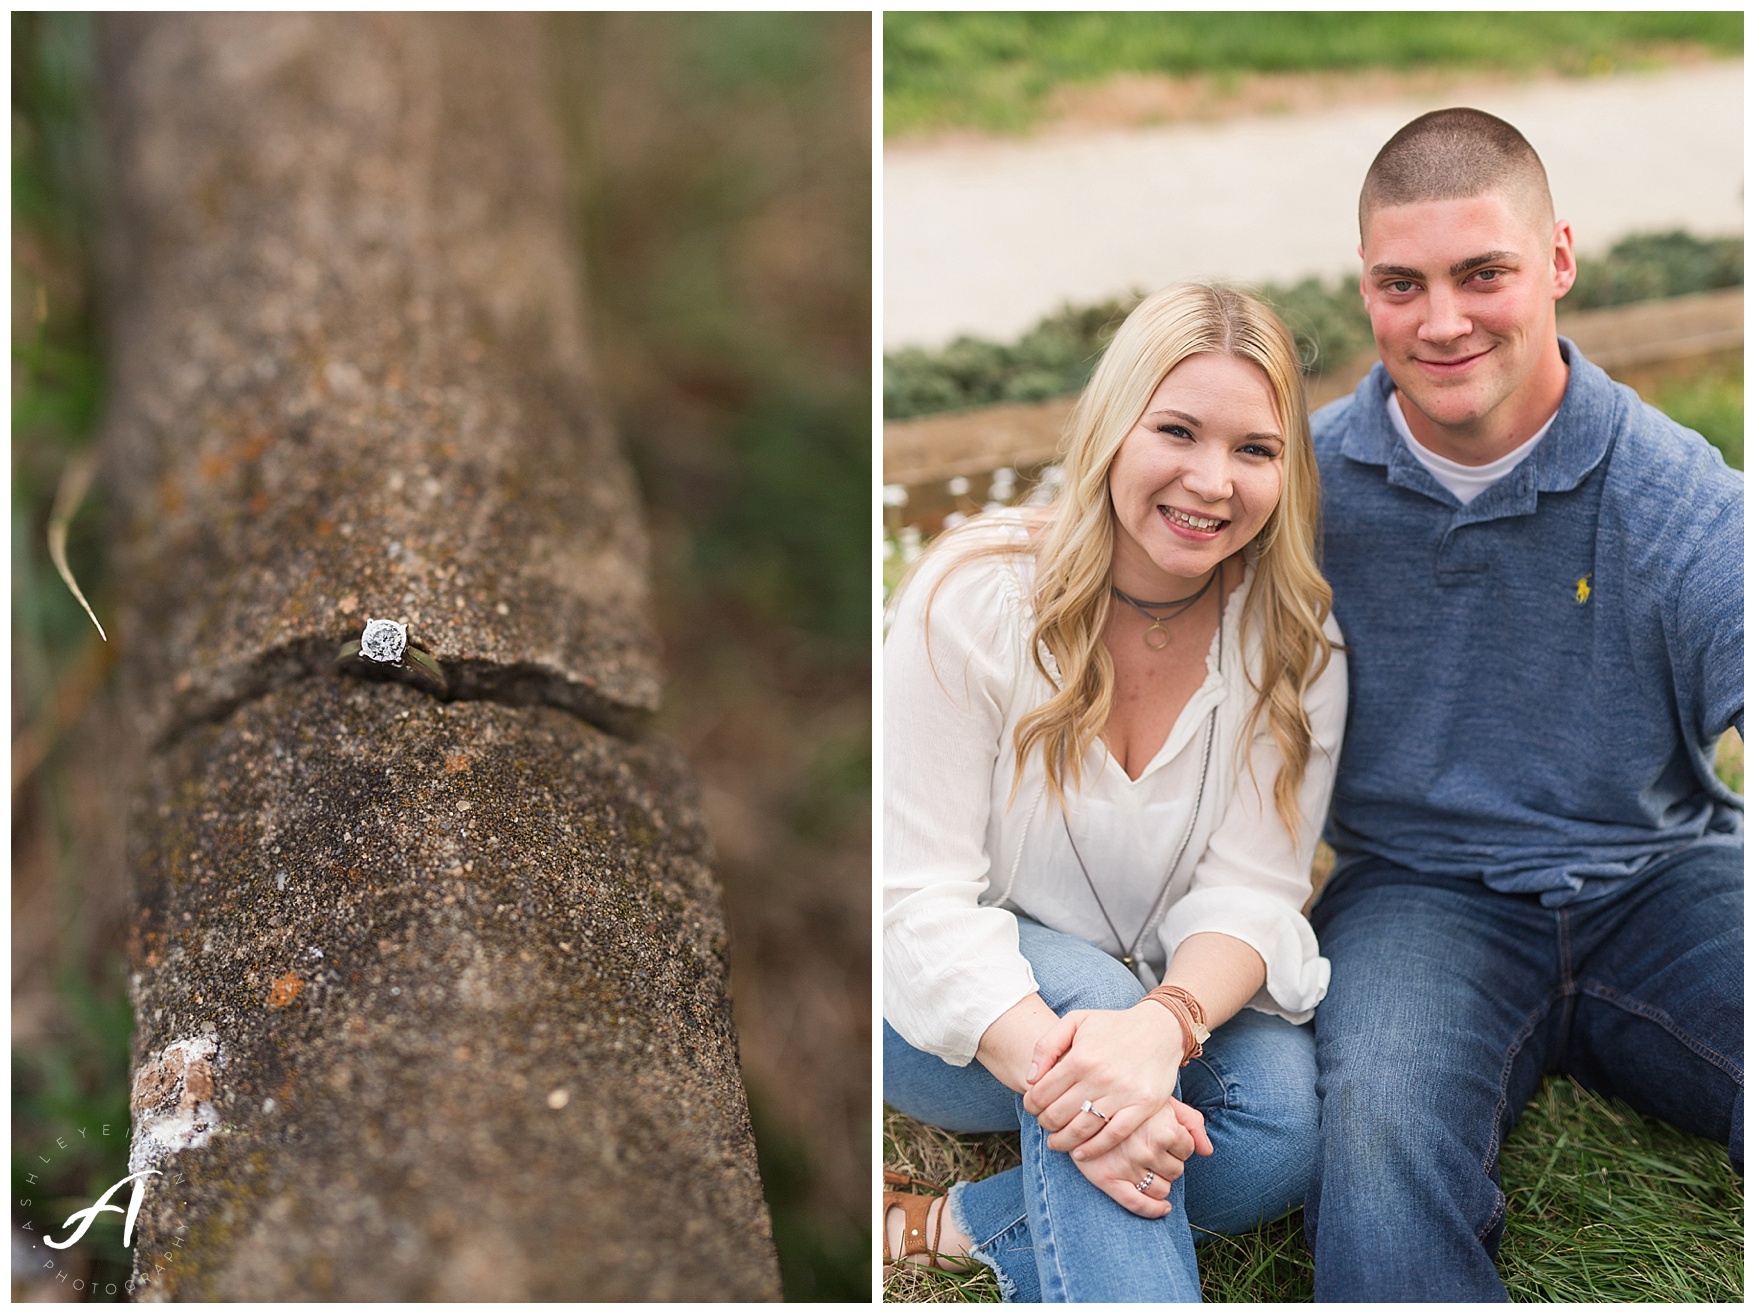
[
  {"x": 430, "y": 992},
  {"x": 349, "y": 358}
]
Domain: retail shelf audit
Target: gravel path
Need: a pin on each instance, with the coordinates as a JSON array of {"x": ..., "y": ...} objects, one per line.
[{"x": 987, "y": 238}]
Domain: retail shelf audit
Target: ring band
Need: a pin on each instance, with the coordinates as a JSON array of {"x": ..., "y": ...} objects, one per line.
[
  {"x": 1088, "y": 1107},
  {"x": 1145, "y": 1181},
  {"x": 386, "y": 643}
]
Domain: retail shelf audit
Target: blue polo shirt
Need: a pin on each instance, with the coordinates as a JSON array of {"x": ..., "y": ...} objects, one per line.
[{"x": 1538, "y": 679}]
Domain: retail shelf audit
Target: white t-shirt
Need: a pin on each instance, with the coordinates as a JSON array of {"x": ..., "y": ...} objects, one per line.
[
  {"x": 1467, "y": 482},
  {"x": 958, "y": 861}
]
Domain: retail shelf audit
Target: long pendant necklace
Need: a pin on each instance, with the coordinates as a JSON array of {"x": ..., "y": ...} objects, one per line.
[
  {"x": 1177, "y": 607},
  {"x": 1129, "y": 951}
]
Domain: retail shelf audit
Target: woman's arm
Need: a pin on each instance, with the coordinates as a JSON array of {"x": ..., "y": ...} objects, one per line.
[
  {"x": 1253, "y": 879},
  {"x": 1158, "y": 1144},
  {"x": 1219, "y": 970},
  {"x": 1008, "y": 1047},
  {"x": 950, "y": 964},
  {"x": 1126, "y": 1061}
]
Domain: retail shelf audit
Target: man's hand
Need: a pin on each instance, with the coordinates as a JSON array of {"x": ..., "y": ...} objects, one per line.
[
  {"x": 1125, "y": 1061},
  {"x": 1159, "y": 1145}
]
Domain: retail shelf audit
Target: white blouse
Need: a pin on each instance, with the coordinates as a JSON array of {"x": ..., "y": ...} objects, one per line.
[{"x": 959, "y": 862}]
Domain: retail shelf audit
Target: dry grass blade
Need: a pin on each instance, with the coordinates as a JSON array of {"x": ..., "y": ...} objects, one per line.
[{"x": 75, "y": 480}]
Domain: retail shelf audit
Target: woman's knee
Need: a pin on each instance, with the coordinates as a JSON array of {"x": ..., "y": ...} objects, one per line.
[
  {"x": 1072, "y": 973},
  {"x": 1261, "y": 1165},
  {"x": 1100, "y": 989}
]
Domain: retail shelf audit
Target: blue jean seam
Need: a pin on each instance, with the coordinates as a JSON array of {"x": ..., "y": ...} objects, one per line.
[
  {"x": 1046, "y": 1242},
  {"x": 1493, "y": 1137},
  {"x": 1563, "y": 929},
  {"x": 1227, "y": 1102},
  {"x": 1610, "y": 995}
]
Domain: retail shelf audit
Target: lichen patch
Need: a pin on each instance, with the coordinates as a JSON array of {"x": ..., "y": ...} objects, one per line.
[
  {"x": 197, "y": 1083},
  {"x": 173, "y": 1101}
]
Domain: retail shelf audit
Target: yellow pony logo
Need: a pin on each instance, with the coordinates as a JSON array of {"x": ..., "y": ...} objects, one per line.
[{"x": 1582, "y": 591}]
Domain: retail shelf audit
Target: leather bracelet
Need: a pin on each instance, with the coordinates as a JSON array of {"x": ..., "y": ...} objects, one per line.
[
  {"x": 1180, "y": 992},
  {"x": 1187, "y": 1011}
]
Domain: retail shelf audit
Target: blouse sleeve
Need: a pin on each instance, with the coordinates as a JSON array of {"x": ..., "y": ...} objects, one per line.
[
  {"x": 1254, "y": 878},
  {"x": 951, "y": 966}
]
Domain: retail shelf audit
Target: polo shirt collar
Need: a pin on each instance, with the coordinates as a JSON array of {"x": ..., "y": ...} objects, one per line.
[{"x": 1591, "y": 411}]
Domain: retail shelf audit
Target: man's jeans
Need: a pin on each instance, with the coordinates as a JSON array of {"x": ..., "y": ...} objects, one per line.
[
  {"x": 1043, "y": 1228},
  {"x": 1449, "y": 1002}
]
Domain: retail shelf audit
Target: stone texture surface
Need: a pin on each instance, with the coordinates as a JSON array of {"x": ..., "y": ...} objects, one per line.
[
  {"x": 446, "y": 983},
  {"x": 431, "y": 994},
  {"x": 352, "y": 377}
]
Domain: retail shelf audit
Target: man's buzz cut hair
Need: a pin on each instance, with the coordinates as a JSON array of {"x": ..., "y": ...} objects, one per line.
[{"x": 1453, "y": 154}]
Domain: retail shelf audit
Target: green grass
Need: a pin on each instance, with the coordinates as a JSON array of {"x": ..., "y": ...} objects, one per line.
[
  {"x": 62, "y": 1099},
  {"x": 1709, "y": 401},
  {"x": 1605, "y": 1205},
  {"x": 995, "y": 71},
  {"x": 1729, "y": 763},
  {"x": 79, "y": 1078},
  {"x": 713, "y": 259},
  {"x": 1602, "y": 1205}
]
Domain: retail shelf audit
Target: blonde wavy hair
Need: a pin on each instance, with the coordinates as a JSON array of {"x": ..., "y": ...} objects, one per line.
[{"x": 1289, "y": 599}]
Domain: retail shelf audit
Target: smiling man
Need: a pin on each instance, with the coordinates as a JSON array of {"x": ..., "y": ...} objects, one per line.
[{"x": 1540, "y": 582}]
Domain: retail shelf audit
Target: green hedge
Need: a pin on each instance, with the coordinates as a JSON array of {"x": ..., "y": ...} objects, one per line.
[{"x": 1056, "y": 357}]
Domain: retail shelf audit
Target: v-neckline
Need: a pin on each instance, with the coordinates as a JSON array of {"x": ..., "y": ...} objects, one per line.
[{"x": 1179, "y": 734}]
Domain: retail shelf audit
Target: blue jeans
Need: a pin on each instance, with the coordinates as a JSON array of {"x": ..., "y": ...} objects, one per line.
[
  {"x": 1043, "y": 1228},
  {"x": 1447, "y": 1005}
]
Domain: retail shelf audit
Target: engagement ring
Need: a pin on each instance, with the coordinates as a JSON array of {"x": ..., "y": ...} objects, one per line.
[
  {"x": 1088, "y": 1107},
  {"x": 1145, "y": 1181},
  {"x": 386, "y": 643}
]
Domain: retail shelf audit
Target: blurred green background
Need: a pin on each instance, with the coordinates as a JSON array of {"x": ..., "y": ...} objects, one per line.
[
  {"x": 70, "y": 1017},
  {"x": 723, "y": 182},
  {"x": 997, "y": 72},
  {"x": 1054, "y": 358}
]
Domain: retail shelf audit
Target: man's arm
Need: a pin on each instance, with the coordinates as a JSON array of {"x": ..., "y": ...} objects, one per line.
[{"x": 1704, "y": 629}]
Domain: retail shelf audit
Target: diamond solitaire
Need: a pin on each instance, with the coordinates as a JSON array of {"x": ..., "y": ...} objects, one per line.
[
  {"x": 384, "y": 640},
  {"x": 386, "y": 643}
]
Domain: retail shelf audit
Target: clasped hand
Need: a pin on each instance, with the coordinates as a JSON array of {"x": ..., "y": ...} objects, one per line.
[{"x": 1126, "y": 1063}]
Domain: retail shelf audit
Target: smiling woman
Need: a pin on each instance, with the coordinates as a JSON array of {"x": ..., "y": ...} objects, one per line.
[
  {"x": 1090, "y": 882},
  {"x": 1190, "y": 491},
  {"x": 1192, "y": 485}
]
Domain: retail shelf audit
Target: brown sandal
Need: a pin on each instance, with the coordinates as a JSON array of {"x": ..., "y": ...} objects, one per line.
[{"x": 916, "y": 1209}]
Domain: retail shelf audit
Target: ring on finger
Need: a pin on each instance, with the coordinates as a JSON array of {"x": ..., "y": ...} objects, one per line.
[
  {"x": 1088, "y": 1107},
  {"x": 1146, "y": 1181}
]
